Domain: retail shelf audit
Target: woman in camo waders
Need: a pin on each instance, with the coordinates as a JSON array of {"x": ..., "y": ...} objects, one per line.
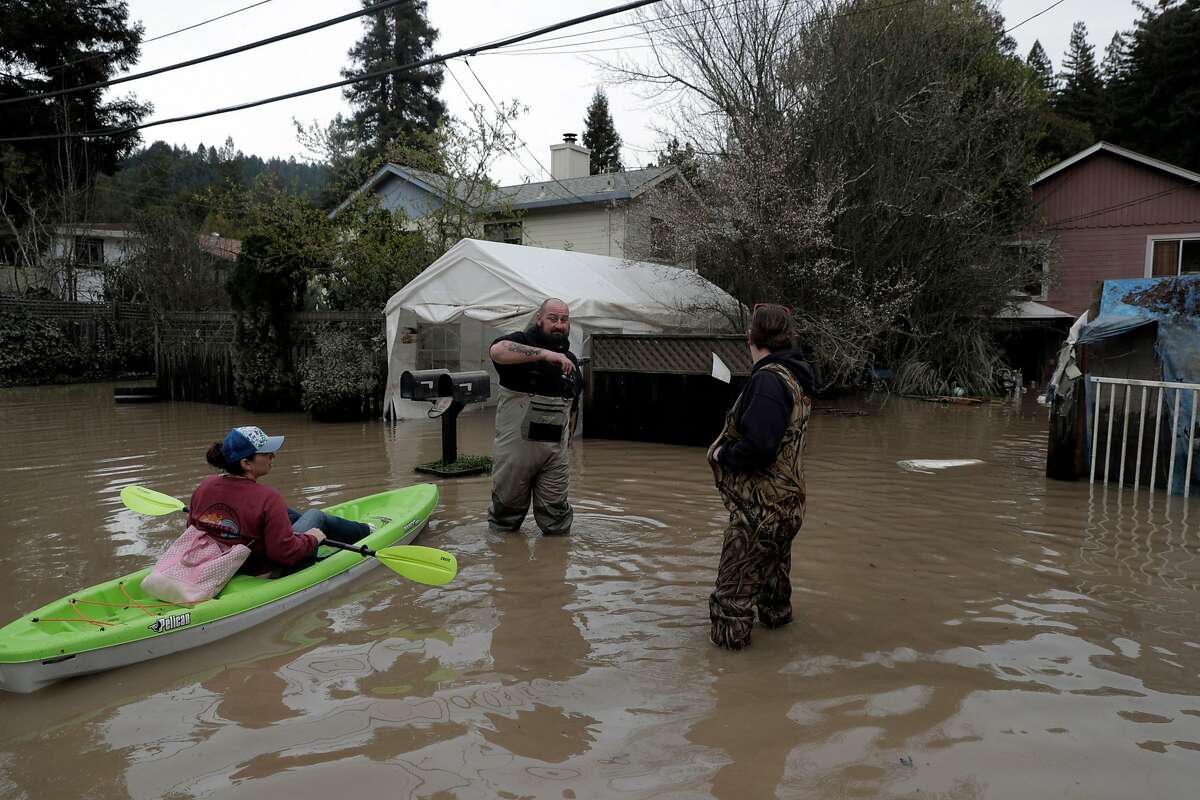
[{"x": 759, "y": 469}]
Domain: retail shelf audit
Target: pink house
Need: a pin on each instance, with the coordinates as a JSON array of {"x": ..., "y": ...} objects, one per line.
[{"x": 1107, "y": 212}]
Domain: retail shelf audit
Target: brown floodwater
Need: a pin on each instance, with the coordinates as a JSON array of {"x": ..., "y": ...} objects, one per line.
[{"x": 969, "y": 632}]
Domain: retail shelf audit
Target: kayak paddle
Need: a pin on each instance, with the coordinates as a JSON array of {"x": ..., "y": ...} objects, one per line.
[{"x": 426, "y": 565}]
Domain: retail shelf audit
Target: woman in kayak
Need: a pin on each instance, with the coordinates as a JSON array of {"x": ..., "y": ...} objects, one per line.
[
  {"x": 759, "y": 469},
  {"x": 235, "y": 508}
]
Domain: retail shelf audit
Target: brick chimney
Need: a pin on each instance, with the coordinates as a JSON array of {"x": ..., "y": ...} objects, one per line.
[{"x": 569, "y": 160}]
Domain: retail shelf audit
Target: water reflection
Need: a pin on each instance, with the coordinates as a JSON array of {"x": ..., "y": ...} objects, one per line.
[{"x": 974, "y": 631}]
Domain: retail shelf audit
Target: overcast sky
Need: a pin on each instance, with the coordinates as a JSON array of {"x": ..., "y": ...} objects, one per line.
[{"x": 556, "y": 87}]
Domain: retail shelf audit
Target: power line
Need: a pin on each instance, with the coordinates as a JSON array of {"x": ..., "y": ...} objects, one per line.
[
  {"x": 519, "y": 139},
  {"x": 631, "y": 24},
  {"x": 652, "y": 28},
  {"x": 205, "y": 22},
  {"x": 211, "y": 56},
  {"x": 151, "y": 39},
  {"x": 1035, "y": 16},
  {"x": 471, "y": 100},
  {"x": 1116, "y": 206},
  {"x": 382, "y": 73}
]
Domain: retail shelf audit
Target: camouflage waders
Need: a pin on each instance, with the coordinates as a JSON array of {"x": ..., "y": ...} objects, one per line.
[
  {"x": 530, "y": 462},
  {"x": 766, "y": 510}
]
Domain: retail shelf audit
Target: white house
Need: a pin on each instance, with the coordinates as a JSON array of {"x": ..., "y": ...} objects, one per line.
[
  {"x": 607, "y": 214},
  {"x": 81, "y": 253}
]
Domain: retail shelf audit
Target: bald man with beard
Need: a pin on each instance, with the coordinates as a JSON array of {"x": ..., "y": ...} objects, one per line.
[{"x": 540, "y": 386}]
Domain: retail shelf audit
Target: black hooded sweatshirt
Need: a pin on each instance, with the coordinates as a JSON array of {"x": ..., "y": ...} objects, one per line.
[{"x": 763, "y": 412}]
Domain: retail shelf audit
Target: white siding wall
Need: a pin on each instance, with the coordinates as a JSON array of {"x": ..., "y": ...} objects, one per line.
[{"x": 599, "y": 230}]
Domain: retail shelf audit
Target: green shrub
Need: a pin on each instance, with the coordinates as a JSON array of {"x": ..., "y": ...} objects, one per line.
[
  {"x": 342, "y": 380},
  {"x": 262, "y": 378},
  {"x": 35, "y": 350}
]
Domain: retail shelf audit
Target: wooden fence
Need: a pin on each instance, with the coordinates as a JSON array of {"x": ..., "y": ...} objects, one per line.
[
  {"x": 89, "y": 327},
  {"x": 194, "y": 351}
]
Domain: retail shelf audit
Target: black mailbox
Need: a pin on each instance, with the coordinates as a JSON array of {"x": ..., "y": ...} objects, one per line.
[
  {"x": 465, "y": 387},
  {"x": 423, "y": 384}
]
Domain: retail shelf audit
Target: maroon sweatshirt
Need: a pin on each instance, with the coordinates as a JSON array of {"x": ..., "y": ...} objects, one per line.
[{"x": 237, "y": 510}]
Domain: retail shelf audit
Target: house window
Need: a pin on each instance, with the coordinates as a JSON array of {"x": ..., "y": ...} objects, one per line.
[
  {"x": 89, "y": 251},
  {"x": 1034, "y": 260},
  {"x": 506, "y": 232},
  {"x": 660, "y": 240},
  {"x": 1174, "y": 256}
]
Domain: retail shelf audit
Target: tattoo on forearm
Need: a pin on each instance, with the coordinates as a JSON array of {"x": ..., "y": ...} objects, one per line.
[{"x": 522, "y": 350}]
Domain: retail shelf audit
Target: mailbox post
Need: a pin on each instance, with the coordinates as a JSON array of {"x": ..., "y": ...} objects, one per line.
[{"x": 461, "y": 387}]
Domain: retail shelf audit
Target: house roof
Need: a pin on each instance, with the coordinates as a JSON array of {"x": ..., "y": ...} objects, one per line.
[
  {"x": 100, "y": 229},
  {"x": 589, "y": 189},
  {"x": 1028, "y": 309},
  {"x": 524, "y": 196},
  {"x": 1121, "y": 152},
  {"x": 219, "y": 246}
]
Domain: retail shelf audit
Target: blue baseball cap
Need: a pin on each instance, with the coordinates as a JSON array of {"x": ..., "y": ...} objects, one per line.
[{"x": 247, "y": 442}]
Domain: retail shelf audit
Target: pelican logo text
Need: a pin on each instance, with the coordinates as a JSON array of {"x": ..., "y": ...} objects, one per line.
[{"x": 171, "y": 623}]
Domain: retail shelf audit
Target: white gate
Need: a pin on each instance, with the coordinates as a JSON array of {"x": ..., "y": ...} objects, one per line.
[{"x": 1178, "y": 391}]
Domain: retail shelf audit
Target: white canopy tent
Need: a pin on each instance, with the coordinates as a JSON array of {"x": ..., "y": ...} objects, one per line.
[{"x": 503, "y": 285}]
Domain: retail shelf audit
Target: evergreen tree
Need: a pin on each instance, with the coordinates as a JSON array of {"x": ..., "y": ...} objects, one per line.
[
  {"x": 682, "y": 156},
  {"x": 1043, "y": 70},
  {"x": 401, "y": 104},
  {"x": 1080, "y": 95},
  {"x": 601, "y": 137},
  {"x": 1116, "y": 57},
  {"x": 1156, "y": 103},
  {"x": 44, "y": 46}
]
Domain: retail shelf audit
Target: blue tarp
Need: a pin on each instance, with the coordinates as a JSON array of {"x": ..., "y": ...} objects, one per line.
[
  {"x": 1109, "y": 325},
  {"x": 1174, "y": 305}
]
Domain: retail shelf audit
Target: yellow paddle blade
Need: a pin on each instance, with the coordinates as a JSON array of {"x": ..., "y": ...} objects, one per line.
[
  {"x": 148, "y": 501},
  {"x": 421, "y": 564}
]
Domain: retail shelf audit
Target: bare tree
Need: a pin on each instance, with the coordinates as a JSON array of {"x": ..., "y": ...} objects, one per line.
[
  {"x": 168, "y": 269},
  {"x": 860, "y": 161}
]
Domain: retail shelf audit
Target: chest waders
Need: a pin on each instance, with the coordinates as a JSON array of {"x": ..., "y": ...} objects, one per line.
[
  {"x": 766, "y": 510},
  {"x": 529, "y": 462}
]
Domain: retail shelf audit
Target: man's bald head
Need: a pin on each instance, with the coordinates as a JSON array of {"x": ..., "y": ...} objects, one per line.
[
  {"x": 553, "y": 320},
  {"x": 559, "y": 306}
]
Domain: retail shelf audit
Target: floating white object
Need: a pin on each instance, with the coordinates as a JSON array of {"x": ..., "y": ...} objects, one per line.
[
  {"x": 929, "y": 464},
  {"x": 720, "y": 371}
]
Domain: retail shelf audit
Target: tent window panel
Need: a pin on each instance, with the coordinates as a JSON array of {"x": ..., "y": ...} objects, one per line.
[{"x": 439, "y": 347}]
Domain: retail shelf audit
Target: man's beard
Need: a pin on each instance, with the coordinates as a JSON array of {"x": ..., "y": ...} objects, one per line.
[{"x": 552, "y": 338}]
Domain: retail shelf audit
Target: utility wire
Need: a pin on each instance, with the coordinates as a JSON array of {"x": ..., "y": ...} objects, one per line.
[
  {"x": 471, "y": 100},
  {"x": 1035, "y": 16},
  {"x": 652, "y": 27},
  {"x": 211, "y": 56},
  {"x": 381, "y": 73},
  {"x": 151, "y": 39},
  {"x": 565, "y": 188}
]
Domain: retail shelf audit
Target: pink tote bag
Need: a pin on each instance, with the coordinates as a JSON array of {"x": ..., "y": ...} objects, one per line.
[{"x": 195, "y": 568}]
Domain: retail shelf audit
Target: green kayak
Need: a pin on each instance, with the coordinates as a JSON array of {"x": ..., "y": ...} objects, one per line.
[{"x": 115, "y": 623}]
